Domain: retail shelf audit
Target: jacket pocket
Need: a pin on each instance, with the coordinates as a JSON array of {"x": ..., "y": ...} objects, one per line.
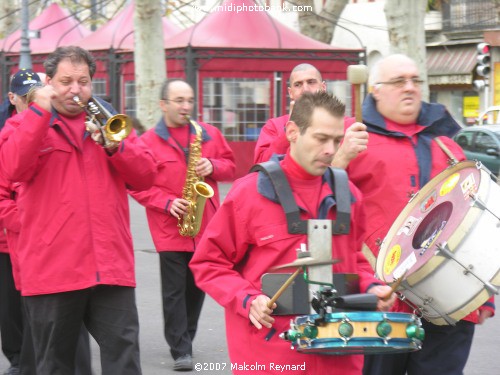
[
  {"x": 54, "y": 144},
  {"x": 55, "y": 224}
]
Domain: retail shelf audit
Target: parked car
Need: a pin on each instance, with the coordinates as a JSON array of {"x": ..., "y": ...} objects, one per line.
[{"x": 481, "y": 142}]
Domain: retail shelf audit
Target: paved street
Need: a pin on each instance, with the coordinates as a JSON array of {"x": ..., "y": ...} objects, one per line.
[{"x": 209, "y": 347}]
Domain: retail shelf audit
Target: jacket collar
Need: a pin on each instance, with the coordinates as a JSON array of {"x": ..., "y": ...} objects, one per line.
[
  {"x": 436, "y": 121},
  {"x": 434, "y": 117},
  {"x": 266, "y": 189},
  {"x": 161, "y": 131}
]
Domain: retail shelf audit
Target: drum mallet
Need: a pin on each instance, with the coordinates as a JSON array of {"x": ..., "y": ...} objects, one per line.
[
  {"x": 357, "y": 75},
  {"x": 394, "y": 287}
]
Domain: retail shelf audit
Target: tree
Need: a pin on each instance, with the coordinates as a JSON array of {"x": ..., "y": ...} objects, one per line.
[
  {"x": 7, "y": 20},
  {"x": 149, "y": 59},
  {"x": 319, "y": 26},
  {"x": 405, "y": 22}
]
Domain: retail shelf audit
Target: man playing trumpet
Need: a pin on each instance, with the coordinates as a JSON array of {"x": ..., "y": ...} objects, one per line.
[{"x": 75, "y": 248}]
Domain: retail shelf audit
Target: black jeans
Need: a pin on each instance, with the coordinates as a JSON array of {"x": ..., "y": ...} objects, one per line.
[
  {"x": 182, "y": 301},
  {"x": 110, "y": 315},
  {"x": 11, "y": 322}
]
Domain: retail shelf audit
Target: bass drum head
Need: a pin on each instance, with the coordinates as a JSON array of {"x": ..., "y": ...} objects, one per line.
[{"x": 430, "y": 218}]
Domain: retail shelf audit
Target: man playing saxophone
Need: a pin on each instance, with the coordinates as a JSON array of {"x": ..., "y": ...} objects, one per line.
[{"x": 187, "y": 153}]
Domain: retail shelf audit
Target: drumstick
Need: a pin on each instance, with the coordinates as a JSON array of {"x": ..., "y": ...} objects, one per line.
[
  {"x": 394, "y": 287},
  {"x": 447, "y": 151},
  {"x": 282, "y": 288}
]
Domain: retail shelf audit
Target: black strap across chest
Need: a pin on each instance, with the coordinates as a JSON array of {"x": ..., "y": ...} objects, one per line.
[{"x": 338, "y": 182}]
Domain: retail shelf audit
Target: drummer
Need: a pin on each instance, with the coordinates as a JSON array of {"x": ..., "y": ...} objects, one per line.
[
  {"x": 250, "y": 235},
  {"x": 402, "y": 157}
]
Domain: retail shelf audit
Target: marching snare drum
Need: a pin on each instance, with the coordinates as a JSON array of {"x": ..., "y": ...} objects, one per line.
[
  {"x": 447, "y": 243},
  {"x": 343, "y": 333}
]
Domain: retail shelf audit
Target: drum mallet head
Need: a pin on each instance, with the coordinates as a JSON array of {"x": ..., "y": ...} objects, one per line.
[{"x": 357, "y": 74}]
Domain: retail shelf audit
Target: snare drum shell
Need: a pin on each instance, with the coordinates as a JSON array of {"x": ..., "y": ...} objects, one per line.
[
  {"x": 446, "y": 290},
  {"x": 365, "y": 338}
]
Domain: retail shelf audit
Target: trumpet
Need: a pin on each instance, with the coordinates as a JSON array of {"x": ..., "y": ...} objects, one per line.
[{"x": 113, "y": 128}]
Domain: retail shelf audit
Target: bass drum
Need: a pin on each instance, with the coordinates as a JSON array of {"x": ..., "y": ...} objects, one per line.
[{"x": 445, "y": 244}]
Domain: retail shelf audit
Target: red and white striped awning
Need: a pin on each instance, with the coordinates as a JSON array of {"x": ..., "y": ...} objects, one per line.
[{"x": 451, "y": 65}]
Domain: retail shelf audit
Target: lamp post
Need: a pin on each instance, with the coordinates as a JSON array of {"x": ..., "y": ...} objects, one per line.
[{"x": 25, "y": 55}]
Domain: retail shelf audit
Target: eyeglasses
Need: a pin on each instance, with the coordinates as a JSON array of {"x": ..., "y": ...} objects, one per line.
[
  {"x": 180, "y": 101},
  {"x": 401, "y": 82}
]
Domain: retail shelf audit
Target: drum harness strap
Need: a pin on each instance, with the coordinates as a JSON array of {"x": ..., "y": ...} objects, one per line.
[
  {"x": 452, "y": 159},
  {"x": 338, "y": 182}
]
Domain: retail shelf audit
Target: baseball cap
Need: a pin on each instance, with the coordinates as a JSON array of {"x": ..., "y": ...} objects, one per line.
[{"x": 22, "y": 81}]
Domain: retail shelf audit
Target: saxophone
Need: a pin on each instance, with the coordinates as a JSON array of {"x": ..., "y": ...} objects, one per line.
[{"x": 195, "y": 190}]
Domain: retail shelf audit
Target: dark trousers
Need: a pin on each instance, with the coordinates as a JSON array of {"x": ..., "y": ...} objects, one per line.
[
  {"x": 110, "y": 315},
  {"x": 444, "y": 351},
  {"x": 11, "y": 321},
  {"x": 83, "y": 361},
  {"x": 182, "y": 301}
]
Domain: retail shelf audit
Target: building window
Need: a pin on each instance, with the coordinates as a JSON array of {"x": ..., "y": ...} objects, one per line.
[
  {"x": 99, "y": 87},
  {"x": 239, "y": 107},
  {"x": 130, "y": 102}
]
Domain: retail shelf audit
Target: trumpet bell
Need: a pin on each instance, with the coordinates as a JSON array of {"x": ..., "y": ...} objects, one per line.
[{"x": 118, "y": 127}]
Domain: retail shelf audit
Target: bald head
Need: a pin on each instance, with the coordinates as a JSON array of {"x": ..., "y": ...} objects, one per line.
[
  {"x": 384, "y": 66},
  {"x": 305, "y": 78},
  {"x": 397, "y": 90}
]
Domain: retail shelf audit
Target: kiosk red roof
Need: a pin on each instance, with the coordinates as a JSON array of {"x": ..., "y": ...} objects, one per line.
[
  {"x": 239, "y": 24},
  {"x": 119, "y": 32},
  {"x": 57, "y": 27}
]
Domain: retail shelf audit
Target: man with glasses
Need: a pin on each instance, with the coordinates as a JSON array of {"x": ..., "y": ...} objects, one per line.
[
  {"x": 402, "y": 156},
  {"x": 170, "y": 140}
]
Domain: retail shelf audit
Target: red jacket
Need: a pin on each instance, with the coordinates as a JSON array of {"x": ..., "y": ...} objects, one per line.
[
  {"x": 393, "y": 168},
  {"x": 272, "y": 139},
  {"x": 171, "y": 178},
  {"x": 10, "y": 224},
  {"x": 73, "y": 206},
  {"x": 245, "y": 239}
]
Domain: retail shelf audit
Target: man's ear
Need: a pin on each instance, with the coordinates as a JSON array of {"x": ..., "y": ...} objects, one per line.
[
  {"x": 292, "y": 131},
  {"x": 375, "y": 91},
  {"x": 163, "y": 105},
  {"x": 11, "y": 98}
]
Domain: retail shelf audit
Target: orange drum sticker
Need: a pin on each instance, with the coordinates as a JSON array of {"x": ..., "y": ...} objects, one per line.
[
  {"x": 449, "y": 184},
  {"x": 428, "y": 202},
  {"x": 468, "y": 186},
  {"x": 392, "y": 259}
]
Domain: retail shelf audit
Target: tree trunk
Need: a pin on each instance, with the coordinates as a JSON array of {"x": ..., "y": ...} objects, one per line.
[
  {"x": 405, "y": 21},
  {"x": 320, "y": 26},
  {"x": 149, "y": 59},
  {"x": 8, "y": 18}
]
